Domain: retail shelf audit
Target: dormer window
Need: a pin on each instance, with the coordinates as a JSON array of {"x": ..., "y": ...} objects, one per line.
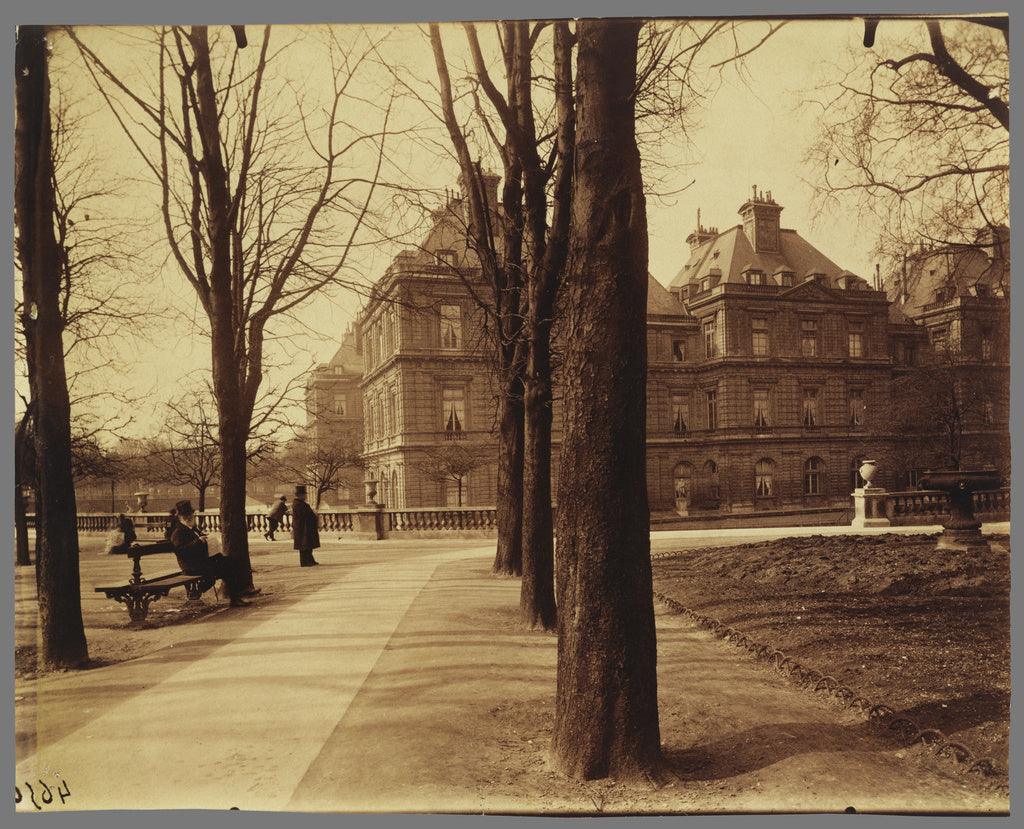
[
  {"x": 785, "y": 278},
  {"x": 446, "y": 258},
  {"x": 754, "y": 277}
]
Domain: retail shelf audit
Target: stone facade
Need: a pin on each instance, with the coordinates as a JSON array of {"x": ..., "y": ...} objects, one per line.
[{"x": 769, "y": 368}]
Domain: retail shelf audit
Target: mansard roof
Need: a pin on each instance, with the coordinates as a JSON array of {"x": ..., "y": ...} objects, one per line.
[
  {"x": 732, "y": 254},
  {"x": 347, "y": 359},
  {"x": 661, "y": 303},
  {"x": 942, "y": 274}
]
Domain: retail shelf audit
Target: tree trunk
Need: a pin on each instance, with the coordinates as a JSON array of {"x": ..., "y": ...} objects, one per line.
[
  {"x": 61, "y": 630},
  {"x": 509, "y": 557},
  {"x": 606, "y": 711},
  {"x": 537, "y": 590},
  {"x": 22, "y": 557},
  {"x": 549, "y": 250},
  {"x": 233, "y": 421}
]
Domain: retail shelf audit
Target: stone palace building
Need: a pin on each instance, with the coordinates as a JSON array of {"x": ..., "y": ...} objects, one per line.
[{"x": 770, "y": 369}]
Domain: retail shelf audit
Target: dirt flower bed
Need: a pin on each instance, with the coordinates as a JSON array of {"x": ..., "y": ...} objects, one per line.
[{"x": 923, "y": 631}]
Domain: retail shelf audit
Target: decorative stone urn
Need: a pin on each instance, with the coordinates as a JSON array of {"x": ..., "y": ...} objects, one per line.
[
  {"x": 143, "y": 501},
  {"x": 869, "y": 501},
  {"x": 961, "y": 530}
]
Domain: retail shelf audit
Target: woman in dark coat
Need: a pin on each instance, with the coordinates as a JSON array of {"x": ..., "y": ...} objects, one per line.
[{"x": 305, "y": 535}]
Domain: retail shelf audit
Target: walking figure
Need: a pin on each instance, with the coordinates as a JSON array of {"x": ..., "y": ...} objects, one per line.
[{"x": 274, "y": 516}]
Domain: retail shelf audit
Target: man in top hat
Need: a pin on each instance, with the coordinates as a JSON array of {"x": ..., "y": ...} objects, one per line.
[
  {"x": 274, "y": 516},
  {"x": 193, "y": 554},
  {"x": 304, "y": 528}
]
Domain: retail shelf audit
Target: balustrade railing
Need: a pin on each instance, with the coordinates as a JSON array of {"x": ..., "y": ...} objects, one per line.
[
  {"x": 442, "y": 520},
  {"x": 922, "y": 507},
  {"x": 928, "y": 506}
]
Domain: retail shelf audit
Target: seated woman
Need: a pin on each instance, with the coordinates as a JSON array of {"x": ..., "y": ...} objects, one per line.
[
  {"x": 193, "y": 554},
  {"x": 122, "y": 534}
]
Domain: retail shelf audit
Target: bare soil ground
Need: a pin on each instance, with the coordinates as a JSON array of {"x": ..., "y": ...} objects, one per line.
[
  {"x": 925, "y": 632},
  {"x": 921, "y": 631}
]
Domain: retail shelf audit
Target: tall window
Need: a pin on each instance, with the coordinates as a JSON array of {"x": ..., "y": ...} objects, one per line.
[
  {"x": 855, "y": 338},
  {"x": 856, "y": 407},
  {"x": 392, "y": 411},
  {"x": 809, "y": 338},
  {"x": 812, "y": 476},
  {"x": 761, "y": 418},
  {"x": 759, "y": 336},
  {"x": 680, "y": 414},
  {"x": 986, "y": 343},
  {"x": 710, "y": 344},
  {"x": 714, "y": 485},
  {"x": 451, "y": 326},
  {"x": 712, "y": 400},
  {"x": 679, "y": 350},
  {"x": 764, "y": 474},
  {"x": 855, "y": 477},
  {"x": 810, "y": 407},
  {"x": 338, "y": 407},
  {"x": 454, "y": 411}
]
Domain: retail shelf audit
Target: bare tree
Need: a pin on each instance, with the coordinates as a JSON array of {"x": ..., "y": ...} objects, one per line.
[
  {"x": 918, "y": 133},
  {"x": 452, "y": 461},
  {"x": 190, "y": 453},
  {"x": 325, "y": 462},
  {"x": 606, "y": 706},
  {"x": 946, "y": 411},
  {"x": 538, "y": 162},
  {"x": 62, "y": 642},
  {"x": 253, "y": 192},
  {"x": 500, "y": 251}
]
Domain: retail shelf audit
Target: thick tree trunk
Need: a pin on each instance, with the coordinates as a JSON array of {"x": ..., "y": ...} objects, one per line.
[
  {"x": 537, "y": 590},
  {"x": 233, "y": 418},
  {"x": 606, "y": 712},
  {"x": 549, "y": 247},
  {"x": 61, "y": 631},
  {"x": 509, "y": 557}
]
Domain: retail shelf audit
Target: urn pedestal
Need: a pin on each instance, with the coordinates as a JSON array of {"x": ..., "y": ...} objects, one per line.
[
  {"x": 961, "y": 530},
  {"x": 869, "y": 501}
]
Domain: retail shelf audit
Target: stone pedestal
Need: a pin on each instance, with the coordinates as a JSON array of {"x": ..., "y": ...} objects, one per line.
[
  {"x": 869, "y": 507},
  {"x": 368, "y": 523}
]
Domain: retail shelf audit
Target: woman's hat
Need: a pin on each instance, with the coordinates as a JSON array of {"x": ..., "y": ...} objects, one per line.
[
  {"x": 184, "y": 508},
  {"x": 284, "y": 497}
]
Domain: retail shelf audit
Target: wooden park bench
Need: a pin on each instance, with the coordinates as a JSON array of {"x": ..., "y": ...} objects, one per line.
[{"x": 140, "y": 592}]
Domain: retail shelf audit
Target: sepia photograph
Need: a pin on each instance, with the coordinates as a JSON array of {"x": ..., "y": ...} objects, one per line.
[{"x": 578, "y": 414}]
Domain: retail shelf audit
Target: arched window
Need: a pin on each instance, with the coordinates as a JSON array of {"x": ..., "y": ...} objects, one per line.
[
  {"x": 764, "y": 478},
  {"x": 813, "y": 472},
  {"x": 394, "y": 488}
]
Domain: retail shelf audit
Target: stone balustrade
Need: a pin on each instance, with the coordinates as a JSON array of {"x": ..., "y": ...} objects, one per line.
[{"x": 916, "y": 508}]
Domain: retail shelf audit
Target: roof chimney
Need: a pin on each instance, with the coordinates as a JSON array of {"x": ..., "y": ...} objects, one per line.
[{"x": 761, "y": 222}]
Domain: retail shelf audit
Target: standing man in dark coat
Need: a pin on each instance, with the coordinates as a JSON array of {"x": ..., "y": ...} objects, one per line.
[
  {"x": 304, "y": 528},
  {"x": 193, "y": 554}
]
